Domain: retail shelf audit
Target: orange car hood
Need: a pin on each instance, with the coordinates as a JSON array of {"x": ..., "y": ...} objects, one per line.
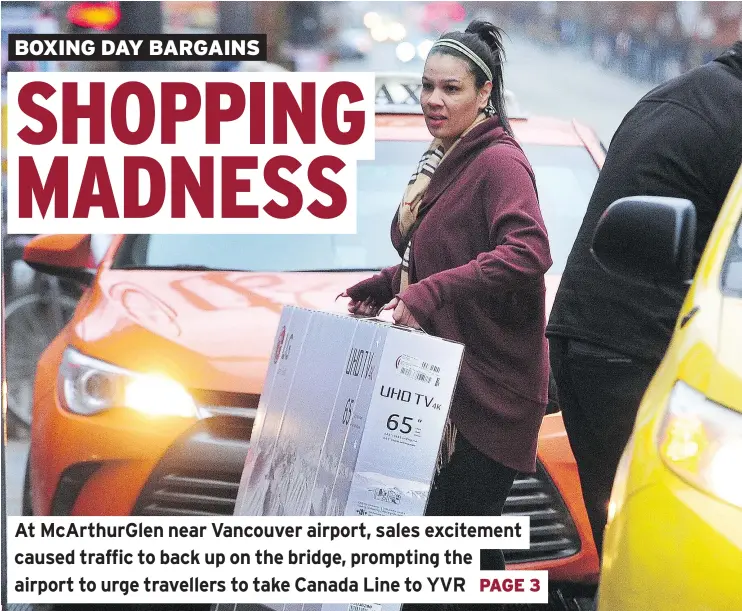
[{"x": 209, "y": 330}]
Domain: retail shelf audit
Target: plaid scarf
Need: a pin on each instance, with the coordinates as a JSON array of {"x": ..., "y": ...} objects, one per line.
[{"x": 407, "y": 215}]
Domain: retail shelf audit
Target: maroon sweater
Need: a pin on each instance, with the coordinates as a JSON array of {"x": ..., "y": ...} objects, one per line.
[{"x": 478, "y": 262}]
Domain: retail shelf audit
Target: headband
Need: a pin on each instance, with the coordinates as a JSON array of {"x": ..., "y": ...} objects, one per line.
[{"x": 462, "y": 48}]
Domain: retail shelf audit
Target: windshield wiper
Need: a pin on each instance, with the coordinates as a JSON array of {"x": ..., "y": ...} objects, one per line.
[
  {"x": 339, "y": 270},
  {"x": 188, "y": 267}
]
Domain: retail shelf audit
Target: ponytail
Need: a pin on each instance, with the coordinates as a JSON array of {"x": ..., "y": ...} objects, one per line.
[{"x": 484, "y": 39}]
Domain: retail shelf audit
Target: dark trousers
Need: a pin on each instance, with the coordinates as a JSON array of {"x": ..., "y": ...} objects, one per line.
[
  {"x": 472, "y": 484},
  {"x": 599, "y": 394}
]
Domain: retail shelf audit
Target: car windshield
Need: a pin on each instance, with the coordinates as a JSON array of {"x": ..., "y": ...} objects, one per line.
[{"x": 565, "y": 176}]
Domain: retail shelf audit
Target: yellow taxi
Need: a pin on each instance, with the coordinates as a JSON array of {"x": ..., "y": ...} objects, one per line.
[{"x": 674, "y": 534}]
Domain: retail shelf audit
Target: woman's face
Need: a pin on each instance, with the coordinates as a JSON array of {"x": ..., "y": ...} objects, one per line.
[{"x": 450, "y": 98}]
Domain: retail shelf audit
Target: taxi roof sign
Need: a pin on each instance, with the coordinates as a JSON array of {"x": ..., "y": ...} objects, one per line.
[
  {"x": 399, "y": 92},
  {"x": 398, "y": 89}
]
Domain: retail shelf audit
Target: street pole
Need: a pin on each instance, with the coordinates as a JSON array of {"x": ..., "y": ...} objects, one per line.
[
  {"x": 141, "y": 18},
  {"x": 235, "y": 17}
]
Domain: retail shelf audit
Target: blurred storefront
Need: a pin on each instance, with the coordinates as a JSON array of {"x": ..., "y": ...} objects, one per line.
[{"x": 190, "y": 17}]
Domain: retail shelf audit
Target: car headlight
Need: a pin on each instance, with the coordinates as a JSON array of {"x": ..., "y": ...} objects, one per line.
[
  {"x": 701, "y": 441},
  {"x": 89, "y": 386}
]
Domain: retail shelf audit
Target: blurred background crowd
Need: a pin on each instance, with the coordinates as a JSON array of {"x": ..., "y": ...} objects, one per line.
[{"x": 650, "y": 41}]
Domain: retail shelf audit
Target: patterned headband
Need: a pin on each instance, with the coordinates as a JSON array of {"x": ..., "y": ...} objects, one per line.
[{"x": 462, "y": 48}]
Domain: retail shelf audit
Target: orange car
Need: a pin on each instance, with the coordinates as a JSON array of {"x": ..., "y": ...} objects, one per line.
[{"x": 144, "y": 403}]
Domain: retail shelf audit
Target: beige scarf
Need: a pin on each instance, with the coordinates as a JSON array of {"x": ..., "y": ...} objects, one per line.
[{"x": 408, "y": 210}]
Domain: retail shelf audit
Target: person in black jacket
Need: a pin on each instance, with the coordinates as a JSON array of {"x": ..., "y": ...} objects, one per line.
[{"x": 607, "y": 334}]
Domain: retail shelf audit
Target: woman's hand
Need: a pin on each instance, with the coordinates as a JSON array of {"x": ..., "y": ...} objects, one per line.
[
  {"x": 401, "y": 315},
  {"x": 362, "y": 308}
]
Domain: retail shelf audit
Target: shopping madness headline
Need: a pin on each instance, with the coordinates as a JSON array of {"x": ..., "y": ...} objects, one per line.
[{"x": 196, "y": 152}]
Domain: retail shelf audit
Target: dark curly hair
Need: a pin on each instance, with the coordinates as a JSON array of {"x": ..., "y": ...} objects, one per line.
[{"x": 484, "y": 39}]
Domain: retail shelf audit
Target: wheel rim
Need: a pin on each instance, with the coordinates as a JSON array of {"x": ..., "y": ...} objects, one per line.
[{"x": 31, "y": 323}]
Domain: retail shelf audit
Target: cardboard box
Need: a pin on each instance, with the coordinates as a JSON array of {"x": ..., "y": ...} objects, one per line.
[{"x": 350, "y": 420}]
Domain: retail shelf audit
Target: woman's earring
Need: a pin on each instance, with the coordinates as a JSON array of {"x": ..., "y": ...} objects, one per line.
[{"x": 489, "y": 110}]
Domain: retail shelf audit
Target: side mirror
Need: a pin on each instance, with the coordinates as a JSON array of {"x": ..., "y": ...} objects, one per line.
[
  {"x": 647, "y": 238},
  {"x": 67, "y": 256}
]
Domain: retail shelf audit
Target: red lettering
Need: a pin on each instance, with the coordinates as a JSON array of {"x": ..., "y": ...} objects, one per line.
[
  {"x": 119, "y": 105},
  {"x": 215, "y": 114},
  {"x": 171, "y": 115},
  {"x": 285, "y": 187},
  {"x": 42, "y": 115},
  {"x": 257, "y": 113},
  {"x": 231, "y": 185},
  {"x": 132, "y": 171},
  {"x": 72, "y": 112},
  {"x": 95, "y": 173},
  {"x": 31, "y": 188},
  {"x": 302, "y": 117},
  {"x": 356, "y": 118},
  {"x": 339, "y": 199},
  {"x": 201, "y": 189},
  {"x": 507, "y": 585}
]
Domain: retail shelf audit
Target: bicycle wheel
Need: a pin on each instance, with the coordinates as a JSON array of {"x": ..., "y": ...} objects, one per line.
[{"x": 31, "y": 323}]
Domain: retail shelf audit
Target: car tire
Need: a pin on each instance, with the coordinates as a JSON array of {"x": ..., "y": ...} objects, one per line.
[
  {"x": 565, "y": 597},
  {"x": 25, "y": 345},
  {"x": 26, "y": 503}
]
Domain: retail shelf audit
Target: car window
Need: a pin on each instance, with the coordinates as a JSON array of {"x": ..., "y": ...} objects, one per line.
[
  {"x": 565, "y": 177},
  {"x": 732, "y": 275}
]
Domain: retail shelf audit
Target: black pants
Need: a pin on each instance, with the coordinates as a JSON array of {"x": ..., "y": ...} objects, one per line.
[
  {"x": 599, "y": 394},
  {"x": 472, "y": 484}
]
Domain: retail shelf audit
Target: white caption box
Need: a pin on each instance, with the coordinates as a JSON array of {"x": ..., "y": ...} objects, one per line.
[{"x": 349, "y": 560}]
